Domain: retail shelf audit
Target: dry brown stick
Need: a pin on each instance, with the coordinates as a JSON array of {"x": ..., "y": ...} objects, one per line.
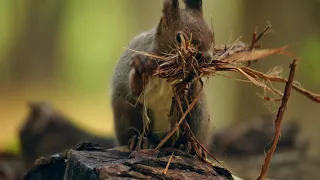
[
  {"x": 264, "y": 32},
  {"x": 168, "y": 164},
  {"x": 314, "y": 97},
  {"x": 253, "y": 40},
  {"x": 256, "y": 38},
  {"x": 278, "y": 120}
]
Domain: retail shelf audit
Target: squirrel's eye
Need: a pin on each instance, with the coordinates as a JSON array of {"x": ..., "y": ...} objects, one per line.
[{"x": 178, "y": 38}]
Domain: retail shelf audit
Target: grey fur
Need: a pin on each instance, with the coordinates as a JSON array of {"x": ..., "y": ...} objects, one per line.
[{"x": 156, "y": 41}]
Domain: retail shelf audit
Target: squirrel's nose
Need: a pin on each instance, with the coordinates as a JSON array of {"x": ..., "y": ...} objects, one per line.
[{"x": 207, "y": 54}]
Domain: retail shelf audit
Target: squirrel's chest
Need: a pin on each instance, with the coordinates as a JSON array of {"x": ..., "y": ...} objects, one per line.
[{"x": 157, "y": 97}]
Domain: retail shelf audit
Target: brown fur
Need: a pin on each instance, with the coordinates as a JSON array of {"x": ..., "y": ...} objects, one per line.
[{"x": 127, "y": 77}]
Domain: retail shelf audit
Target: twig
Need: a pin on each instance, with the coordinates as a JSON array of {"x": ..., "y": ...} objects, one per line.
[
  {"x": 253, "y": 40},
  {"x": 278, "y": 120},
  {"x": 256, "y": 39},
  {"x": 168, "y": 164}
]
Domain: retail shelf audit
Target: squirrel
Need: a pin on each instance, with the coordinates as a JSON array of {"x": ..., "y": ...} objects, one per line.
[{"x": 127, "y": 80}]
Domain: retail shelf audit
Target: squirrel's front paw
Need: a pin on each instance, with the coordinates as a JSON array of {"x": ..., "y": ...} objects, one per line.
[
  {"x": 143, "y": 64},
  {"x": 136, "y": 82},
  {"x": 187, "y": 147},
  {"x": 140, "y": 65},
  {"x": 137, "y": 143}
]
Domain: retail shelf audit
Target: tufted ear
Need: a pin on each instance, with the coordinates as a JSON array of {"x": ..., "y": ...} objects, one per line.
[
  {"x": 194, "y": 4},
  {"x": 170, "y": 8},
  {"x": 170, "y": 13}
]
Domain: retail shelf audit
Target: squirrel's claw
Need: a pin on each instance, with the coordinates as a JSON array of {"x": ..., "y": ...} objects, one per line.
[{"x": 136, "y": 143}]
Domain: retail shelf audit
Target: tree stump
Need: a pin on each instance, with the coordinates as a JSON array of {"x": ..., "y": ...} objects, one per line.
[{"x": 91, "y": 162}]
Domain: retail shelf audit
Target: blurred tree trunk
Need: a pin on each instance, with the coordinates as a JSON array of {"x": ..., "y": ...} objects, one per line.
[
  {"x": 293, "y": 21},
  {"x": 33, "y": 53}
]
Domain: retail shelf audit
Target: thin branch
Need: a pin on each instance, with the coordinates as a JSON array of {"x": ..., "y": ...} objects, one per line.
[
  {"x": 168, "y": 164},
  {"x": 256, "y": 39},
  {"x": 278, "y": 121}
]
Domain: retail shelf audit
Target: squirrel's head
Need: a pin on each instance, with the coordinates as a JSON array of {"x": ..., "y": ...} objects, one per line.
[{"x": 186, "y": 23}]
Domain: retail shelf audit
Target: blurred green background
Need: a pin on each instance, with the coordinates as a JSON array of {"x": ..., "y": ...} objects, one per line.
[{"x": 64, "y": 51}]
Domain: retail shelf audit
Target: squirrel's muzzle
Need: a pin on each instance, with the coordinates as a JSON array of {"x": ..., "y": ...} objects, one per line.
[{"x": 208, "y": 55}]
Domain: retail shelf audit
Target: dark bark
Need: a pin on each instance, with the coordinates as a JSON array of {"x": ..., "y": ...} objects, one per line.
[{"x": 93, "y": 162}]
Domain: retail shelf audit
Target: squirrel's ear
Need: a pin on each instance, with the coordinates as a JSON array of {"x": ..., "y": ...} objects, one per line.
[
  {"x": 194, "y": 4},
  {"x": 170, "y": 8}
]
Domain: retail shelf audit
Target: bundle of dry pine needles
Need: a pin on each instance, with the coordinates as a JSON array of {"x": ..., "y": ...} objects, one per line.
[{"x": 184, "y": 64}]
